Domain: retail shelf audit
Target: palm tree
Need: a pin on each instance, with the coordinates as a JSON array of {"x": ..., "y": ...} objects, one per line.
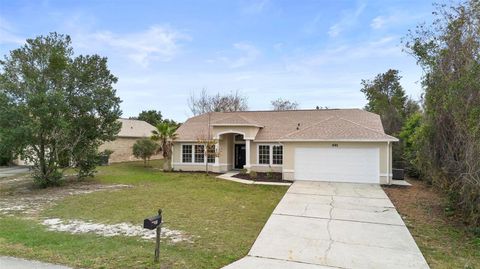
[{"x": 165, "y": 134}]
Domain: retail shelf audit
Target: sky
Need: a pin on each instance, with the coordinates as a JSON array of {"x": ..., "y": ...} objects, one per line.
[{"x": 314, "y": 52}]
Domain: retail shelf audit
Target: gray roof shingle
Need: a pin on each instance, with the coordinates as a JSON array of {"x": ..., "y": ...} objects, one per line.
[{"x": 322, "y": 124}]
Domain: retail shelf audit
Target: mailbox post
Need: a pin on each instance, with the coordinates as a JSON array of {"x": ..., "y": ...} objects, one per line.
[{"x": 151, "y": 223}]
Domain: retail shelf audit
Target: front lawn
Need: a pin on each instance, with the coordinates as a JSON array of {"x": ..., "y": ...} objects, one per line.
[
  {"x": 441, "y": 235},
  {"x": 221, "y": 218}
]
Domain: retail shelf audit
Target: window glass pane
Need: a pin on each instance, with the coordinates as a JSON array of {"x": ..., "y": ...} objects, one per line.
[
  {"x": 187, "y": 153},
  {"x": 264, "y": 154},
  {"x": 277, "y": 154},
  {"x": 211, "y": 154},
  {"x": 199, "y": 153}
]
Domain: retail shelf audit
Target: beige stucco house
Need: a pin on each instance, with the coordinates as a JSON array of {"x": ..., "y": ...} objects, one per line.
[
  {"x": 340, "y": 145},
  {"x": 131, "y": 131}
]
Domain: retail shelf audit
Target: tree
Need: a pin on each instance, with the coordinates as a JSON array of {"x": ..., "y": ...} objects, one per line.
[
  {"x": 386, "y": 97},
  {"x": 210, "y": 149},
  {"x": 144, "y": 149},
  {"x": 205, "y": 103},
  {"x": 165, "y": 134},
  {"x": 151, "y": 116},
  {"x": 448, "y": 148},
  {"x": 281, "y": 104},
  {"x": 409, "y": 138},
  {"x": 54, "y": 104},
  {"x": 154, "y": 117}
]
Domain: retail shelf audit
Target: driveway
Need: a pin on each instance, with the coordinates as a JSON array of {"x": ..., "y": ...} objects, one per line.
[
  {"x": 11, "y": 171},
  {"x": 333, "y": 225},
  {"x": 16, "y": 263}
]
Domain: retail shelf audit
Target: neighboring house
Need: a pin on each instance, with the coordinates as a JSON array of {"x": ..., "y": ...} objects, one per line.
[
  {"x": 131, "y": 131},
  {"x": 343, "y": 145}
]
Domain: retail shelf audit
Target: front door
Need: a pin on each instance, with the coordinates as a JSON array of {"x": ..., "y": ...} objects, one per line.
[{"x": 239, "y": 156}]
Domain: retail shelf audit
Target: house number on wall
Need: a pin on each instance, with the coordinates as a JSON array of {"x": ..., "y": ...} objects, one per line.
[{"x": 335, "y": 145}]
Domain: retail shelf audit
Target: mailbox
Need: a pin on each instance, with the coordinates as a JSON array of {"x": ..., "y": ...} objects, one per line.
[{"x": 153, "y": 222}]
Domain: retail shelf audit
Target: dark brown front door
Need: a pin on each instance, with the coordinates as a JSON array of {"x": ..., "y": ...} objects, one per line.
[{"x": 239, "y": 156}]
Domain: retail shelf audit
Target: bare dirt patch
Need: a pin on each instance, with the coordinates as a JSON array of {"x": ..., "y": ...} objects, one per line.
[
  {"x": 440, "y": 232},
  {"x": 419, "y": 202},
  {"x": 119, "y": 229},
  {"x": 30, "y": 201}
]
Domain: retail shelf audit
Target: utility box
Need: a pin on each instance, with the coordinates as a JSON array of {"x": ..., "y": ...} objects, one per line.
[{"x": 398, "y": 174}]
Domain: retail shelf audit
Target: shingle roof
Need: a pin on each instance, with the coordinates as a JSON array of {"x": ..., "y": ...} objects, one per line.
[
  {"x": 235, "y": 120},
  {"x": 322, "y": 124},
  {"x": 135, "y": 128}
]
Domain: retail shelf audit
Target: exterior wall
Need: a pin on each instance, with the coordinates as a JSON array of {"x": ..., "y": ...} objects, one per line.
[
  {"x": 225, "y": 157},
  {"x": 122, "y": 150},
  {"x": 289, "y": 152},
  {"x": 226, "y": 148},
  {"x": 288, "y": 168},
  {"x": 255, "y": 166},
  {"x": 249, "y": 132}
]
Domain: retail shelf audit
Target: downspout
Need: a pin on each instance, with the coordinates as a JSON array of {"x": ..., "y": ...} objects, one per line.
[
  {"x": 171, "y": 158},
  {"x": 389, "y": 179},
  {"x": 283, "y": 157}
]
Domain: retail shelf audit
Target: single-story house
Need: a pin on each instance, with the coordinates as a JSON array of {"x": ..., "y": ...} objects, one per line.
[
  {"x": 131, "y": 131},
  {"x": 339, "y": 145}
]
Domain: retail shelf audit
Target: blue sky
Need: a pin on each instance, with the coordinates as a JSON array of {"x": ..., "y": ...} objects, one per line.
[{"x": 313, "y": 52}]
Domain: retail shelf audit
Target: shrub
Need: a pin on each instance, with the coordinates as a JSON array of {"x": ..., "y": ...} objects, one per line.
[
  {"x": 253, "y": 174},
  {"x": 144, "y": 149}
]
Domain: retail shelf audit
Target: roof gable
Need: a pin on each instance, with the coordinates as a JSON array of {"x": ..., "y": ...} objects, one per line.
[
  {"x": 135, "y": 128},
  {"x": 235, "y": 120}
]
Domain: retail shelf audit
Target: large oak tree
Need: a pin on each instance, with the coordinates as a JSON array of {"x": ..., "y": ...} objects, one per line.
[{"x": 56, "y": 108}]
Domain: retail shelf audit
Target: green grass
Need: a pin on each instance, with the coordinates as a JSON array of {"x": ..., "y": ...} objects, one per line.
[{"x": 222, "y": 217}]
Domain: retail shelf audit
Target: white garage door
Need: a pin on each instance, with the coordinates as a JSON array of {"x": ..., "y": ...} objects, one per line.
[{"x": 359, "y": 165}]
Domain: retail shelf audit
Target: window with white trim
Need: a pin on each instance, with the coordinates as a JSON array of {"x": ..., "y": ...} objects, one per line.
[
  {"x": 199, "y": 153},
  {"x": 186, "y": 153},
  {"x": 264, "y": 154},
  {"x": 270, "y": 154},
  {"x": 277, "y": 154}
]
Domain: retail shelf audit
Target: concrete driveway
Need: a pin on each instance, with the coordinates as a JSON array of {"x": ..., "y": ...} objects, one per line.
[
  {"x": 333, "y": 225},
  {"x": 11, "y": 171}
]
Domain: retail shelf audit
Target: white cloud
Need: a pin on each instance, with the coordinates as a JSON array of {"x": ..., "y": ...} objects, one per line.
[
  {"x": 347, "y": 53},
  {"x": 348, "y": 19},
  {"x": 247, "y": 55},
  {"x": 255, "y": 6},
  {"x": 8, "y": 34},
  {"x": 157, "y": 43},
  {"x": 396, "y": 18},
  {"x": 378, "y": 22}
]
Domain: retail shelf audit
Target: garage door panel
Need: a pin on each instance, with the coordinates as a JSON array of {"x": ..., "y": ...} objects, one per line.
[{"x": 337, "y": 164}]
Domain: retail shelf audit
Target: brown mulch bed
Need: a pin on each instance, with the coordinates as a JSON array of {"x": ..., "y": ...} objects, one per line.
[
  {"x": 263, "y": 177},
  {"x": 192, "y": 172}
]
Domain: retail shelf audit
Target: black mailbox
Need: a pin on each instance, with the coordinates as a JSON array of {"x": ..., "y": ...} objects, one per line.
[{"x": 153, "y": 222}]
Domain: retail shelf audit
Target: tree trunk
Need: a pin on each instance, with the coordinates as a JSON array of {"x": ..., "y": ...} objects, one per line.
[
  {"x": 166, "y": 164},
  {"x": 43, "y": 163}
]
